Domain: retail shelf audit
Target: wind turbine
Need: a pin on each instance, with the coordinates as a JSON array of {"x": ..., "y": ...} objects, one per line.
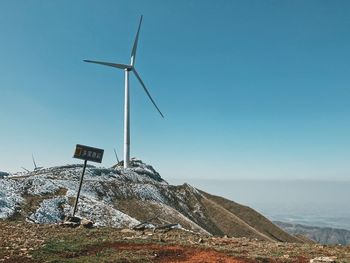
[
  {"x": 36, "y": 167},
  {"x": 127, "y": 68},
  {"x": 25, "y": 169},
  {"x": 116, "y": 155}
]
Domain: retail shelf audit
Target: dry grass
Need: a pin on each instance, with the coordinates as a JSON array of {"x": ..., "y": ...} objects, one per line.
[
  {"x": 246, "y": 219},
  {"x": 25, "y": 242}
]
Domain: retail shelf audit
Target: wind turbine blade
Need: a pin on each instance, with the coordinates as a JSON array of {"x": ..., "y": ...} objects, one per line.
[
  {"x": 134, "y": 48},
  {"x": 114, "y": 65},
  {"x": 116, "y": 155},
  {"x": 148, "y": 94},
  {"x": 25, "y": 169},
  {"x": 34, "y": 161}
]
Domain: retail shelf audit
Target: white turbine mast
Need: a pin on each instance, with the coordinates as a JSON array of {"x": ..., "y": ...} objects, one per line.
[{"x": 127, "y": 68}]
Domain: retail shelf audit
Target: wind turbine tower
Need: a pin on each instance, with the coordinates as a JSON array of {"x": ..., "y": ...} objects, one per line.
[{"x": 129, "y": 68}]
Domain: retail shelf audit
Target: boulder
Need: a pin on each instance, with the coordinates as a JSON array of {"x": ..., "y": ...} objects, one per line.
[
  {"x": 75, "y": 221},
  {"x": 86, "y": 223},
  {"x": 324, "y": 260}
]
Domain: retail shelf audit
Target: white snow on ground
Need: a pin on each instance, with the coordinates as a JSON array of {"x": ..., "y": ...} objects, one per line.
[
  {"x": 56, "y": 190},
  {"x": 148, "y": 192},
  {"x": 50, "y": 211},
  {"x": 95, "y": 190},
  {"x": 41, "y": 186},
  {"x": 103, "y": 214},
  {"x": 10, "y": 197}
]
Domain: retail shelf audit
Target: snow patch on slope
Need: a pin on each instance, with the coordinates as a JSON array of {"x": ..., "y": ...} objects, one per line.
[
  {"x": 10, "y": 198},
  {"x": 97, "y": 194},
  {"x": 50, "y": 211},
  {"x": 103, "y": 214},
  {"x": 55, "y": 189}
]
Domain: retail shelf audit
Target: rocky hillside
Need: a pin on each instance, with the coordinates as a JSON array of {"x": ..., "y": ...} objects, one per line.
[
  {"x": 322, "y": 235},
  {"x": 121, "y": 197}
]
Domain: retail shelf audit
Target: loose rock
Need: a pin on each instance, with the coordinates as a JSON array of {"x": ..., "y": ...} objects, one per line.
[{"x": 324, "y": 260}]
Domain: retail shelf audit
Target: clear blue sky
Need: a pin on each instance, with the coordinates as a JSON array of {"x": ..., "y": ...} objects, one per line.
[{"x": 249, "y": 89}]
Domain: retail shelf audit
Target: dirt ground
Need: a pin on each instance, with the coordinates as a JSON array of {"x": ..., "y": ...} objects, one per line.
[
  {"x": 29, "y": 243},
  {"x": 172, "y": 253}
]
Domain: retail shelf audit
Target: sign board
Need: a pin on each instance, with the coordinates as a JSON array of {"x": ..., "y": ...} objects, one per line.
[{"x": 88, "y": 153}]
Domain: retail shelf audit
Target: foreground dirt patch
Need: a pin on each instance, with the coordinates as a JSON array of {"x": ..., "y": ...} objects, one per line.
[
  {"x": 172, "y": 253},
  {"x": 31, "y": 243}
]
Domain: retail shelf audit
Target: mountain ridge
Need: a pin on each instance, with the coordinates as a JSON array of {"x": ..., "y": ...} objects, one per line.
[
  {"x": 121, "y": 197},
  {"x": 322, "y": 235}
]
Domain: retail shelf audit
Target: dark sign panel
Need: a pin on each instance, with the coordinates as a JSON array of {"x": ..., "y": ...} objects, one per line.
[{"x": 88, "y": 153}]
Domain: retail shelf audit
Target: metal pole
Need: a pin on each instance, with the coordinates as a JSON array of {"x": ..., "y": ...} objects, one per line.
[
  {"x": 81, "y": 182},
  {"x": 126, "y": 121}
]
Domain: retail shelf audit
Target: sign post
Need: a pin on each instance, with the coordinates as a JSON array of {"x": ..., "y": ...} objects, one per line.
[{"x": 86, "y": 153}]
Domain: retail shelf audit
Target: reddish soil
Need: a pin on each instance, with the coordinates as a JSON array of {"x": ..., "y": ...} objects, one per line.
[{"x": 173, "y": 253}]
